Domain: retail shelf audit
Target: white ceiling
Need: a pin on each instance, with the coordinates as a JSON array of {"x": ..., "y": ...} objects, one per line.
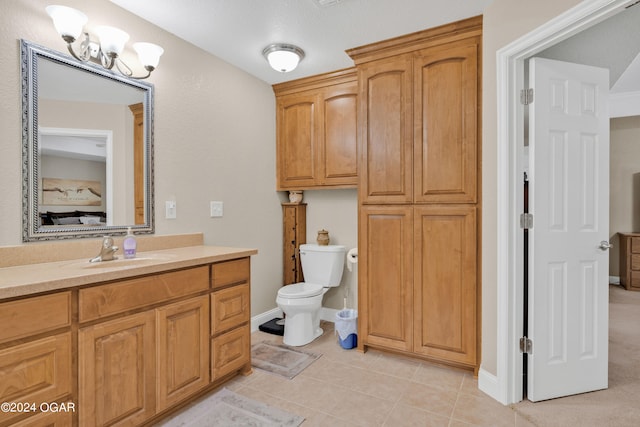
[{"x": 238, "y": 30}]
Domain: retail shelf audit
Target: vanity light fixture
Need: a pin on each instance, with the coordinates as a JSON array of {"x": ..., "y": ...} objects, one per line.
[
  {"x": 69, "y": 23},
  {"x": 283, "y": 57}
]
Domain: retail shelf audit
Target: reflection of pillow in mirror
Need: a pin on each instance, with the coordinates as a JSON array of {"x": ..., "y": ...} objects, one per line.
[
  {"x": 90, "y": 220},
  {"x": 67, "y": 220}
]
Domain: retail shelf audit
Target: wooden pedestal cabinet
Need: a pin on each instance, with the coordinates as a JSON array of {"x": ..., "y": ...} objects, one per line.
[
  {"x": 418, "y": 138},
  {"x": 294, "y": 228}
]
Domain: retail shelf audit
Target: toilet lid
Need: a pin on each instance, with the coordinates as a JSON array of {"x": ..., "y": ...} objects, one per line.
[{"x": 300, "y": 290}]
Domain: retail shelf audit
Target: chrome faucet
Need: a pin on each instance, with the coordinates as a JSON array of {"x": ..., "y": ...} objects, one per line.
[{"x": 107, "y": 251}]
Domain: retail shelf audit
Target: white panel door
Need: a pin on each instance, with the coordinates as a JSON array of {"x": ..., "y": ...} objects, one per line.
[{"x": 569, "y": 266}]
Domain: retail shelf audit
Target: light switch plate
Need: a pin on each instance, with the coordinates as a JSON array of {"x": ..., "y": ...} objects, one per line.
[
  {"x": 216, "y": 209},
  {"x": 170, "y": 209}
]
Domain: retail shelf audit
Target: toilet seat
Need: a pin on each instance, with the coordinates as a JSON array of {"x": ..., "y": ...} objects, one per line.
[{"x": 300, "y": 290}]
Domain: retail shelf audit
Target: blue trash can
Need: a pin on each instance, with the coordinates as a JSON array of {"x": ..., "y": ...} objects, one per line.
[{"x": 346, "y": 326}]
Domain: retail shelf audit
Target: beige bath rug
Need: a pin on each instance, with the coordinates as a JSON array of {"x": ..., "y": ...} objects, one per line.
[
  {"x": 228, "y": 409},
  {"x": 281, "y": 359}
]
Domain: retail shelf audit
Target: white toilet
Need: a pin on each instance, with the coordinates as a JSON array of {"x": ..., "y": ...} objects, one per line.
[{"x": 301, "y": 302}]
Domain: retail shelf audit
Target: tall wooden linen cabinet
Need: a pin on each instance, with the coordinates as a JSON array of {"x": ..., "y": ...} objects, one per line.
[{"x": 419, "y": 193}]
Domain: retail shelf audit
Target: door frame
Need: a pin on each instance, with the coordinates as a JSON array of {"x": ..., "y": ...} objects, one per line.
[{"x": 506, "y": 385}]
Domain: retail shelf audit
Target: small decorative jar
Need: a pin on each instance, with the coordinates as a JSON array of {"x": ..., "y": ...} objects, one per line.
[
  {"x": 323, "y": 237},
  {"x": 295, "y": 196}
]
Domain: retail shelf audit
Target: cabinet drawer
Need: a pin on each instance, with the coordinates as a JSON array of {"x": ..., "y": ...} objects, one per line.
[
  {"x": 230, "y": 272},
  {"x": 30, "y": 316},
  {"x": 105, "y": 300},
  {"x": 635, "y": 261},
  {"x": 230, "y": 307},
  {"x": 38, "y": 372},
  {"x": 230, "y": 352},
  {"x": 635, "y": 279},
  {"x": 635, "y": 244}
]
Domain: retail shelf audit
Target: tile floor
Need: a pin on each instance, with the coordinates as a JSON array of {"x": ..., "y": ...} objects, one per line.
[{"x": 348, "y": 388}]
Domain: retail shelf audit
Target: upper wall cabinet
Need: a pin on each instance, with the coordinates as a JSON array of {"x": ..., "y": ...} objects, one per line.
[
  {"x": 419, "y": 116},
  {"x": 316, "y": 121}
]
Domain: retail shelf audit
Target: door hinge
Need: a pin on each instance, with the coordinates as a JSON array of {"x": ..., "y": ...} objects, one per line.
[
  {"x": 526, "y": 96},
  {"x": 526, "y": 221},
  {"x": 526, "y": 345}
]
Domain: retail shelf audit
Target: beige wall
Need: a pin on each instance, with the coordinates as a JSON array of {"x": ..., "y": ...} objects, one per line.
[
  {"x": 214, "y": 139},
  {"x": 504, "y": 22},
  {"x": 624, "y": 213}
]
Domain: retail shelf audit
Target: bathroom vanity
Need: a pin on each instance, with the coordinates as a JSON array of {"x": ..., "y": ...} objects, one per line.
[{"x": 121, "y": 342}]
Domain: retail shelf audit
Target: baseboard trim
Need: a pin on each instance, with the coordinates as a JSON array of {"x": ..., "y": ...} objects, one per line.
[
  {"x": 328, "y": 314},
  {"x": 261, "y": 318},
  {"x": 488, "y": 383}
]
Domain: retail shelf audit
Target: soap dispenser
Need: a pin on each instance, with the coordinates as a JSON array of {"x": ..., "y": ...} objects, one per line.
[{"x": 129, "y": 245}]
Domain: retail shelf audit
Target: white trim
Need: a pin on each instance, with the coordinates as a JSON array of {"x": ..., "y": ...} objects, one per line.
[
  {"x": 328, "y": 314},
  {"x": 614, "y": 280},
  {"x": 624, "y": 104},
  {"x": 510, "y": 168},
  {"x": 488, "y": 383},
  {"x": 261, "y": 318}
]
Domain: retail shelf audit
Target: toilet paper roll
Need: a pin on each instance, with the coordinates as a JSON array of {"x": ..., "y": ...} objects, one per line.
[{"x": 352, "y": 258}]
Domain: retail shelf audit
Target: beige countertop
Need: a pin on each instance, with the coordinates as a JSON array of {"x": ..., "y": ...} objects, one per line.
[{"x": 51, "y": 276}]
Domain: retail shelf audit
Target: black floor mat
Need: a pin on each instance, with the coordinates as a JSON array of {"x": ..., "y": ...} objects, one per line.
[{"x": 271, "y": 327}]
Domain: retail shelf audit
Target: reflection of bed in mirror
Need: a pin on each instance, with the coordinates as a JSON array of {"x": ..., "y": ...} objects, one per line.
[{"x": 73, "y": 218}]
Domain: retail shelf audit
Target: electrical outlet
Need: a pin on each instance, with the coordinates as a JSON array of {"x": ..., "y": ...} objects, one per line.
[
  {"x": 216, "y": 209},
  {"x": 170, "y": 209}
]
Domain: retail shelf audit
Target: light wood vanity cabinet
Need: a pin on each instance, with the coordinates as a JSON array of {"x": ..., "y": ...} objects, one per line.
[
  {"x": 418, "y": 136},
  {"x": 230, "y": 315},
  {"x": 144, "y": 345},
  {"x": 36, "y": 358},
  {"x": 316, "y": 121}
]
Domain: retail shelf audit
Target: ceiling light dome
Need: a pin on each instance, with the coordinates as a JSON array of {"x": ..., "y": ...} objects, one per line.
[{"x": 283, "y": 57}]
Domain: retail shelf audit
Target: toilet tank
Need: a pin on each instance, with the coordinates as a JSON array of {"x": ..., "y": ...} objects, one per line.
[{"x": 322, "y": 265}]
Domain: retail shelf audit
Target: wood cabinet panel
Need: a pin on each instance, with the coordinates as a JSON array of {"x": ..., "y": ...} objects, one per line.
[
  {"x": 445, "y": 282},
  {"x": 297, "y": 119},
  {"x": 35, "y": 372},
  {"x": 25, "y": 317},
  {"x": 47, "y": 419},
  {"x": 386, "y": 132},
  {"x": 230, "y": 272},
  {"x": 230, "y": 307},
  {"x": 385, "y": 257},
  {"x": 316, "y": 121},
  {"x": 630, "y": 261},
  {"x": 230, "y": 352},
  {"x": 445, "y": 137},
  {"x": 183, "y": 350},
  {"x": 117, "y": 372},
  {"x": 102, "y": 301},
  {"x": 338, "y": 155}
]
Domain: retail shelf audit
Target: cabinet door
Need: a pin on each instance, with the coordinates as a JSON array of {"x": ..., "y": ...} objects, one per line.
[
  {"x": 297, "y": 130},
  {"x": 35, "y": 372},
  {"x": 183, "y": 350},
  {"x": 445, "y": 283},
  {"x": 385, "y": 276},
  {"x": 446, "y": 124},
  {"x": 385, "y": 131},
  {"x": 117, "y": 370},
  {"x": 231, "y": 352},
  {"x": 338, "y": 151}
]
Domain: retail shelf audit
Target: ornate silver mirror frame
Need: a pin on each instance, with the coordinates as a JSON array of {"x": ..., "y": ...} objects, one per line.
[{"x": 139, "y": 218}]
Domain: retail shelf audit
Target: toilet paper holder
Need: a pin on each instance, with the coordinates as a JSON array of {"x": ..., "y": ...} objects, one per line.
[{"x": 352, "y": 258}]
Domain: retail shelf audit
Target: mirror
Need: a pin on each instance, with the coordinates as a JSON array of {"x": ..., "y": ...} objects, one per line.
[{"x": 87, "y": 149}]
